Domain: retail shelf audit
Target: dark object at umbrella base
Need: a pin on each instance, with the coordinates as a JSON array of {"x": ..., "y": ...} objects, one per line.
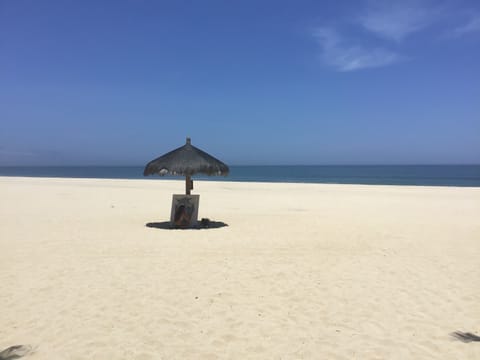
[{"x": 202, "y": 224}]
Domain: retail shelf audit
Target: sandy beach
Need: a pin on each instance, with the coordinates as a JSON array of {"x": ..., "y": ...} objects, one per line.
[{"x": 302, "y": 271}]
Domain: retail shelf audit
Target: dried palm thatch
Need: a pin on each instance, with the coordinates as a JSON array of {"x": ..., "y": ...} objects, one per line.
[{"x": 187, "y": 160}]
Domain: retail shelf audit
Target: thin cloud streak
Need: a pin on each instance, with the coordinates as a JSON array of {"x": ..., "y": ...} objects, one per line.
[
  {"x": 385, "y": 26},
  {"x": 470, "y": 27},
  {"x": 396, "y": 21},
  {"x": 345, "y": 56}
]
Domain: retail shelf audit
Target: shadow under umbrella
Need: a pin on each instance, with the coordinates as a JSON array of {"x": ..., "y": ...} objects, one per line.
[{"x": 203, "y": 224}]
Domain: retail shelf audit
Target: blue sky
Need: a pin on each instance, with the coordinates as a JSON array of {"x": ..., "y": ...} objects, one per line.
[{"x": 252, "y": 82}]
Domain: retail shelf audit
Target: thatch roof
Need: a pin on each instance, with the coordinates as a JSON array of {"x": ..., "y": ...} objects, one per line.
[{"x": 186, "y": 160}]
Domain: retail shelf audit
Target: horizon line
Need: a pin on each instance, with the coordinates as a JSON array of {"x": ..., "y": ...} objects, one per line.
[{"x": 264, "y": 165}]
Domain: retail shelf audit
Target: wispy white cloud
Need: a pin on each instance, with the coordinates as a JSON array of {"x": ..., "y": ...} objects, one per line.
[
  {"x": 376, "y": 36},
  {"x": 473, "y": 25},
  {"x": 348, "y": 56},
  {"x": 397, "y": 20}
]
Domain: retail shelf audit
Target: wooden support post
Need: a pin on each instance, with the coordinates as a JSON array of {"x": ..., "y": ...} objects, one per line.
[{"x": 188, "y": 185}]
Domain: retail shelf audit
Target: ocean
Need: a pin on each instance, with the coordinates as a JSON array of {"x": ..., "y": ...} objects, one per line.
[{"x": 422, "y": 175}]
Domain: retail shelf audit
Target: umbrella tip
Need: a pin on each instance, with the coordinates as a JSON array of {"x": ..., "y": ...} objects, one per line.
[{"x": 189, "y": 141}]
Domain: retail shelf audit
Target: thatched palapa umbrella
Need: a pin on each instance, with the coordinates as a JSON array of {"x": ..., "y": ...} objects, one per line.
[{"x": 187, "y": 160}]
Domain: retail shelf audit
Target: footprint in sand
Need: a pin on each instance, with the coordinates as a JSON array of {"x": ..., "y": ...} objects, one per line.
[
  {"x": 15, "y": 352},
  {"x": 463, "y": 336}
]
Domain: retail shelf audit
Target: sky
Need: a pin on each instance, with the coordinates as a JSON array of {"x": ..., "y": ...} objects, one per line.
[{"x": 252, "y": 82}]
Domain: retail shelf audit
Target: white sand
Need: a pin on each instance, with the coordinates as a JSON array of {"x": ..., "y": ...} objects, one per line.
[{"x": 301, "y": 272}]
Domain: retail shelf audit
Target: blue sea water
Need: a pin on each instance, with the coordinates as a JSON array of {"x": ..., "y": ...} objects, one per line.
[{"x": 426, "y": 175}]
